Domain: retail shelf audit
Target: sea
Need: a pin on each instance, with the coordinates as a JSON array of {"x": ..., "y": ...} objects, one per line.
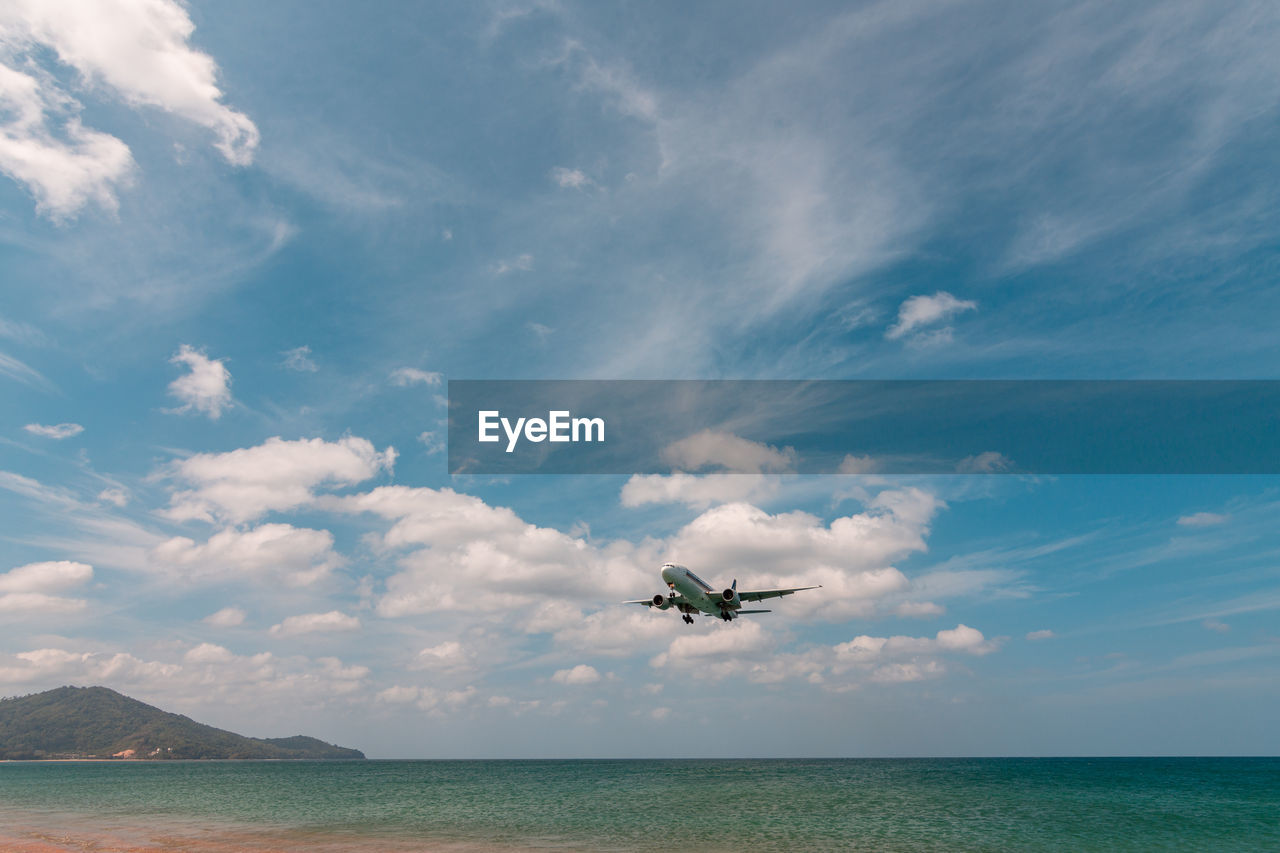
[{"x": 986, "y": 804}]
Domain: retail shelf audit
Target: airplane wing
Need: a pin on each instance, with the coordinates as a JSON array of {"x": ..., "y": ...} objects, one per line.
[
  {"x": 761, "y": 594},
  {"x": 648, "y": 602}
]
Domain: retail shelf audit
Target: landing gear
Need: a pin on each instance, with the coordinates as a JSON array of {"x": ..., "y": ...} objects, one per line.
[{"x": 688, "y": 618}]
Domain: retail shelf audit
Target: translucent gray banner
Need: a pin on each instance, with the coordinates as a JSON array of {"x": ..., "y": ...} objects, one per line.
[{"x": 886, "y": 427}]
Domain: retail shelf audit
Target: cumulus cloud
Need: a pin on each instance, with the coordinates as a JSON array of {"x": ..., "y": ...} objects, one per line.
[
  {"x": 297, "y": 556},
  {"x": 884, "y": 660},
  {"x": 208, "y": 653},
  {"x": 852, "y": 557},
  {"x": 227, "y": 617},
  {"x": 1202, "y": 519},
  {"x": 134, "y": 50},
  {"x": 405, "y": 376},
  {"x": 44, "y": 147},
  {"x": 580, "y": 674},
  {"x": 57, "y": 432},
  {"x": 852, "y": 464},
  {"x": 206, "y": 389},
  {"x": 467, "y": 555},
  {"x": 30, "y": 589},
  {"x": 276, "y": 475},
  {"x": 918, "y": 313},
  {"x": 256, "y": 680},
  {"x": 724, "y": 450},
  {"x": 449, "y": 655},
  {"x": 695, "y": 490},
  {"x": 298, "y": 359},
  {"x": 311, "y": 623},
  {"x": 741, "y": 638}
]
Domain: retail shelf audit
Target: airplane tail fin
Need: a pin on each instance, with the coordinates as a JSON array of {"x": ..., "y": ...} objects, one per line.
[{"x": 734, "y": 585}]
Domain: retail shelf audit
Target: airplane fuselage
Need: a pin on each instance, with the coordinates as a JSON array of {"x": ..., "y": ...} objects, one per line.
[
  {"x": 688, "y": 594},
  {"x": 694, "y": 591}
]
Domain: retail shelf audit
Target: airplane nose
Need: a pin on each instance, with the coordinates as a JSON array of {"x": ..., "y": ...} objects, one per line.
[{"x": 666, "y": 574}]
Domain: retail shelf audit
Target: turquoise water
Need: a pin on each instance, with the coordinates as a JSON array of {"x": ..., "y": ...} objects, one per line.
[{"x": 765, "y": 805}]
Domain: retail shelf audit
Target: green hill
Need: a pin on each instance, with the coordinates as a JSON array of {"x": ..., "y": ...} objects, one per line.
[{"x": 95, "y": 722}]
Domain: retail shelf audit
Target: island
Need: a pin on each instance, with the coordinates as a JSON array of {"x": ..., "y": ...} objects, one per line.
[{"x": 99, "y": 723}]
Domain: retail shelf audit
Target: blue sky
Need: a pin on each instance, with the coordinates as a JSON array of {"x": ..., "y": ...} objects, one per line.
[{"x": 243, "y": 247}]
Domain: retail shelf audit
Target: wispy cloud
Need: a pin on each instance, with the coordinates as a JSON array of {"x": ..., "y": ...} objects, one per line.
[
  {"x": 406, "y": 376},
  {"x": 299, "y": 359},
  {"x": 56, "y": 431}
]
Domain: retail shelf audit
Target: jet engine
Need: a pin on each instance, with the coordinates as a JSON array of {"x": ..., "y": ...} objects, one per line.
[
  {"x": 661, "y": 601},
  {"x": 730, "y": 596}
]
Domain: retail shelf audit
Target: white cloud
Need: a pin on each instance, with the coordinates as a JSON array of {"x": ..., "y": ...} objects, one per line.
[
  {"x": 1043, "y": 634},
  {"x": 276, "y": 475},
  {"x": 45, "y": 577},
  {"x": 205, "y": 674},
  {"x": 580, "y": 674},
  {"x": 299, "y": 359},
  {"x": 56, "y": 432},
  {"x": 695, "y": 490},
  {"x": 227, "y": 617},
  {"x": 718, "y": 449},
  {"x": 851, "y": 557},
  {"x": 449, "y": 655},
  {"x": 987, "y": 462},
  {"x": 919, "y": 609},
  {"x": 310, "y": 623},
  {"x": 570, "y": 178},
  {"x": 398, "y": 695},
  {"x": 298, "y": 556},
  {"x": 39, "y": 604},
  {"x": 966, "y": 639},
  {"x": 467, "y": 555},
  {"x": 852, "y": 464},
  {"x": 521, "y": 263},
  {"x": 610, "y": 633},
  {"x": 207, "y": 388},
  {"x": 27, "y": 590},
  {"x": 117, "y": 497},
  {"x": 1203, "y": 519},
  {"x": 208, "y": 653},
  {"x": 64, "y": 169},
  {"x": 918, "y": 312},
  {"x": 136, "y": 50},
  {"x": 715, "y": 651},
  {"x": 405, "y": 376},
  {"x": 432, "y": 442}
]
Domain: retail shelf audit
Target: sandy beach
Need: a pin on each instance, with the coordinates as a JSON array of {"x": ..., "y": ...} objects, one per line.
[{"x": 36, "y": 835}]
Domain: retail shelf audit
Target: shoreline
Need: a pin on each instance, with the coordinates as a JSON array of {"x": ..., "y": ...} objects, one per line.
[{"x": 47, "y": 833}]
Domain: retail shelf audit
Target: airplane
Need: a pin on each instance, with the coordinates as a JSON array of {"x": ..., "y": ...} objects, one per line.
[{"x": 691, "y": 594}]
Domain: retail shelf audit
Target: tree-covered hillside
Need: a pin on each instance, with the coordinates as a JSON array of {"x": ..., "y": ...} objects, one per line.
[{"x": 96, "y": 722}]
